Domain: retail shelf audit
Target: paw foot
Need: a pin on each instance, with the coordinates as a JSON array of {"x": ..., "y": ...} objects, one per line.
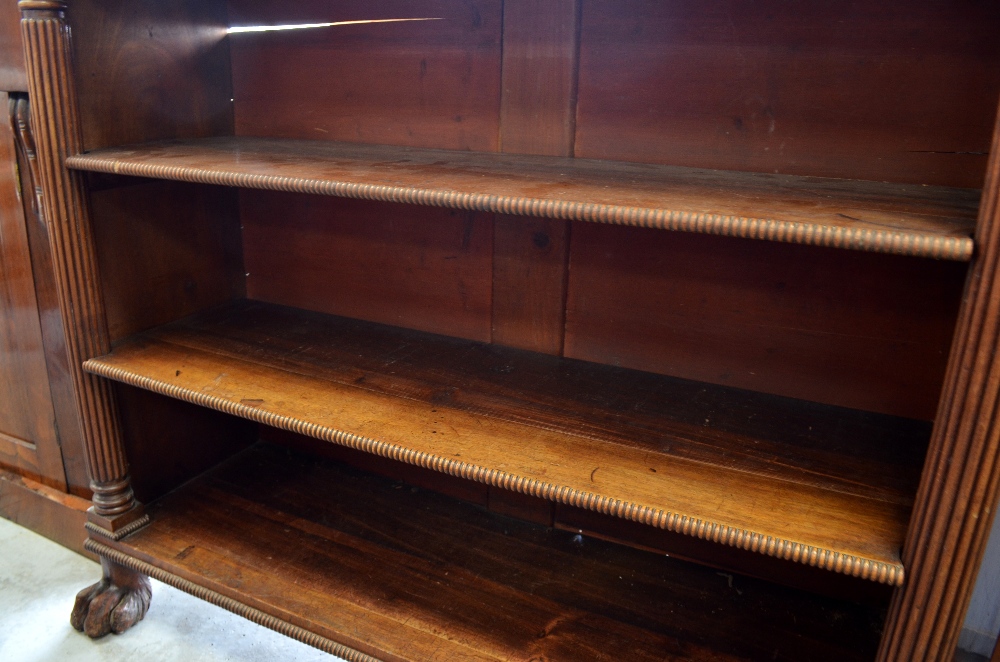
[{"x": 114, "y": 604}]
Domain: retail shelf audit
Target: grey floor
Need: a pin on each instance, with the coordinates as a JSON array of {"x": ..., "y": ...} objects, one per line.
[{"x": 39, "y": 579}]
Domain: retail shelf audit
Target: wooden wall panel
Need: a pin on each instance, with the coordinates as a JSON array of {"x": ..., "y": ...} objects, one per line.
[
  {"x": 537, "y": 116},
  {"x": 165, "y": 250},
  {"x": 48, "y": 512},
  {"x": 151, "y": 70},
  {"x": 67, "y": 416},
  {"x": 427, "y": 84},
  {"x": 169, "y": 442},
  {"x": 13, "y": 74},
  {"x": 853, "y": 329},
  {"x": 28, "y": 436},
  {"x": 902, "y": 91},
  {"x": 417, "y": 267}
]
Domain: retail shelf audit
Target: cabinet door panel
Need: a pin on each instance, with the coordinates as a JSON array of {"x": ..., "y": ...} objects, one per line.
[{"x": 28, "y": 440}]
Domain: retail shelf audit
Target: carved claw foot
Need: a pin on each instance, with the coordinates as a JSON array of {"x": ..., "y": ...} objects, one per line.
[{"x": 114, "y": 604}]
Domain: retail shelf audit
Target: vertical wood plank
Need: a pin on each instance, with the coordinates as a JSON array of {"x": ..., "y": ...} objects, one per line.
[
  {"x": 537, "y": 111},
  {"x": 530, "y": 255},
  {"x": 958, "y": 494},
  {"x": 540, "y": 50}
]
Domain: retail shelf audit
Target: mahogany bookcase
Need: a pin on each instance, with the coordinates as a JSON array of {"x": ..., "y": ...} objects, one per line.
[{"x": 557, "y": 330}]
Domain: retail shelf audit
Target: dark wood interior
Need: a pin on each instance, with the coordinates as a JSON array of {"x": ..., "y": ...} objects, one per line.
[
  {"x": 421, "y": 240},
  {"x": 401, "y": 573}
]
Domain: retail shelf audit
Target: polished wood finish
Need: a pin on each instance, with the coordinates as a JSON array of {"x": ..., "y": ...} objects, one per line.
[
  {"x": 114, "y": 604},
  {"x": 953, "y": 514},
  {"x": 856, "y": 330},
  {"x": 49, "y": 512},
  {"x": 567, "y": 431},
  {"x": 421, "y": 83},
  {"x": 13, "y": 75},
  {"x": 424, "y": 577},
  {"x": 770, "y": 98},
  {"x": 57, "y": 134},
  {"x": 427, "y": 270},
  {"x": 724, "y": 559},
  {"x": 165, "y": 440},
  {"x": 889, "y": 218},
  {"x": 170, "y": 59},
  {"x": 537, "y": 113},
  {"x": 165, "y": 250},
  {"x": 28, "y": 437},
  {"x": 538, "y": 93},
  {"x": 67, "y": 418},
  {"x": 890, "y": 91}
]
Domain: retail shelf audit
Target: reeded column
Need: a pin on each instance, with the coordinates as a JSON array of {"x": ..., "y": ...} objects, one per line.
[
  {"x": 57, "y": 134},
  {"x": 954, "y": 506}
]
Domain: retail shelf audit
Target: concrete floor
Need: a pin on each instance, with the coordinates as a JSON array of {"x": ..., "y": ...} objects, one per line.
[{"x": 39, "y": 579}]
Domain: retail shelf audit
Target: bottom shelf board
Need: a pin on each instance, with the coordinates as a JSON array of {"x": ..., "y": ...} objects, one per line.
[
  {"x": 825, "y": 486},
  {"x": 327, "y": 553}
]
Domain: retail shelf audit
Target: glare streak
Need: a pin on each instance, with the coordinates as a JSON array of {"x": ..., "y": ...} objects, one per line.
[{"x": 306, "y": 26}]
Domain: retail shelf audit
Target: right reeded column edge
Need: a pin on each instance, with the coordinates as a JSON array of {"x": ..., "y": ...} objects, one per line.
[{"x": 952, "y": 514}]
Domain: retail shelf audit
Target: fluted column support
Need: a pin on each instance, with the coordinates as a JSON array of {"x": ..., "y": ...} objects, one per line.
[
  {"x": 57, "y": 134},
  {"x": 954, "y": 507}
]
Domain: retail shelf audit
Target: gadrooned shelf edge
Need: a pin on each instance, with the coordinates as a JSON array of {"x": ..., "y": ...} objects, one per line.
[
  {"x": 848, "y": 564},
  {"x": 229, "y": 604},
  {"x": 914, "y": 244}
]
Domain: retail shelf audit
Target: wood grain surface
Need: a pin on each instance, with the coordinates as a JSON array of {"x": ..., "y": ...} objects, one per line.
[
  {"x": 165, "y": 250},
  {"x": 822, "y": 486},
  {"x": 421, "y": 83},
  {"x": 900, "y": 91},
  {"x": 67, "y": 417},
  {"x": 537, "y": 115},
  {"x": 846, "y": 328},
  {"x": 169, "y": 59},
  {"x": 402, "y": 574},
  {"x": 29, "y": 439},
  {"x": 872, "y": 216},
  {"x": 960, "y": 486},
  {"x": 57, "y": 132},
  {"x": 426, "y": 269},
  {"x": 13, "y": 74}
]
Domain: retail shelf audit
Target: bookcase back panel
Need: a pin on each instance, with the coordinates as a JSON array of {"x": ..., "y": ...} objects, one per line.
[
  {"x": 851, "y": 329},
  {"x": 169, "y": 442},
  {"x": 898, "y": 91},
  {"x": 165, "y": 250},
  {"x": 417, "y": 267},
  {"x": 420, "y": 83},
  {"x": 151, "y": 70}
]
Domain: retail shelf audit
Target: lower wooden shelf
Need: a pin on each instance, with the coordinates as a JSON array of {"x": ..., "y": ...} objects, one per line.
[
  {"x": 825, "y": 486},
  {"x": 364, "y": 566}
]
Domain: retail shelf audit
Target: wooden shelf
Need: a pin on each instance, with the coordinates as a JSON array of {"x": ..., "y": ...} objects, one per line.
[
  {"x": 820, "y": 485},
  {"x": 926, "y": 221},
  {"x": 341, "y": 558}
]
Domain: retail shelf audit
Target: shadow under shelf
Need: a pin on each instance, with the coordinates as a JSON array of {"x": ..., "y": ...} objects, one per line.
[
  {"x": 814, "y": 484},
  {"x": 367, "y": 568}
]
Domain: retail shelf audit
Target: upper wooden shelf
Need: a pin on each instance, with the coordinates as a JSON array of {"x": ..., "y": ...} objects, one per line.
[
  {"x": 925, "y": 221},
  {"x": 815, "y": 484}
]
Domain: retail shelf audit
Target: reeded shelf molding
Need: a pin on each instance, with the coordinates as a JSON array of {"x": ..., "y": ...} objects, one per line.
[
  {"x": 520, "y": 450},
  {"x": 374, "y": 571},
  {"x": 227, "y": 603},
  {"x": 848, "y": 564},
  {"x": 923, "y": 221}
]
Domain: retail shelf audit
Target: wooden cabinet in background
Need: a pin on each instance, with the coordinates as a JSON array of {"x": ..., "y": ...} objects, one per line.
[
  {"x": 43, "y": 477},
  {"x": 532, "y": 330}
]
